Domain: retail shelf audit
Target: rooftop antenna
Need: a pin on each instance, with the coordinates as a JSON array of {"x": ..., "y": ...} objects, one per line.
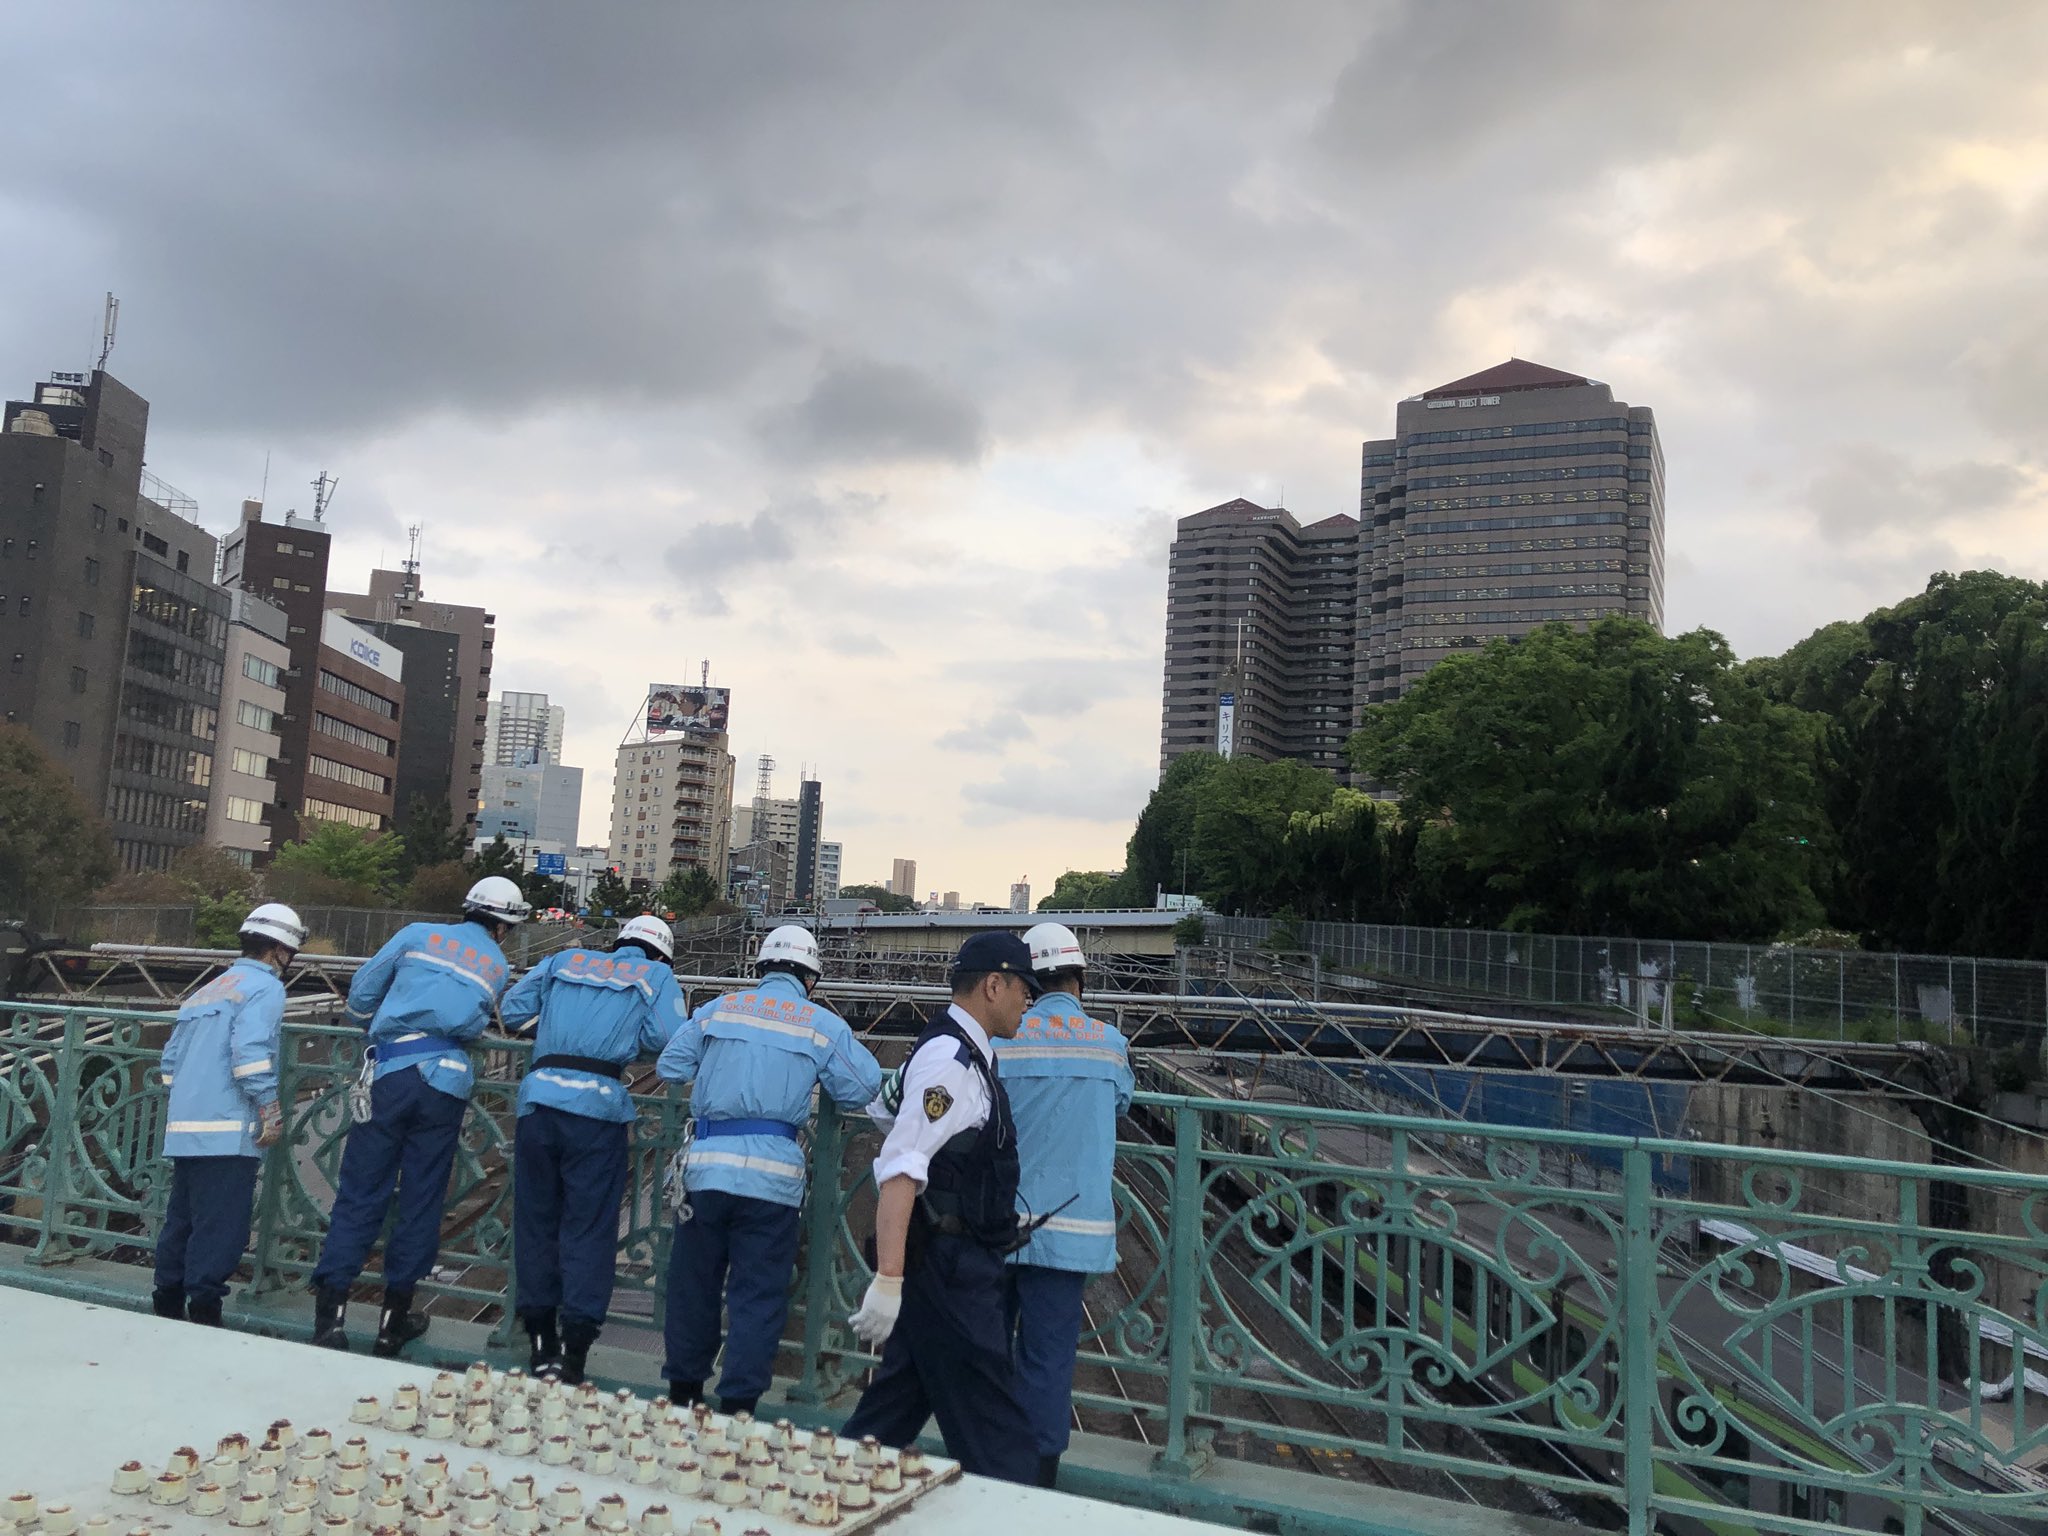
[
  {"x": 263, "y": 495},
  {"x": 704, "y": 674},
  {"x": 324, "y": 487},
  {"x": 109, "y": 321},
  {"x": 764, "y": 779},
  {"x": 411, "y": 564}
]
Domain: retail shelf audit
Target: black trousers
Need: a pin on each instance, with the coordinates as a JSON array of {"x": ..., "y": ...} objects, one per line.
[{"x": 949, "y": 1356}]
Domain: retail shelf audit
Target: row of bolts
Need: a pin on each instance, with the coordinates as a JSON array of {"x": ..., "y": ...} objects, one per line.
[{"x": 732, "y": 1464}]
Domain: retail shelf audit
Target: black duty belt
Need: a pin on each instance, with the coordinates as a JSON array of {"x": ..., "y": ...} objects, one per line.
[{"x": 611, "y": 1069}]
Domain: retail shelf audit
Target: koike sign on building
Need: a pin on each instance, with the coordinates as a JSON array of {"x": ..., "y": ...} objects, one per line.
[{"x": 357, "y": 643}]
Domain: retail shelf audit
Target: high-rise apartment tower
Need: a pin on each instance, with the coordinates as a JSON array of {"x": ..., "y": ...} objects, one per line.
[{"x": 1513, "y": 498}]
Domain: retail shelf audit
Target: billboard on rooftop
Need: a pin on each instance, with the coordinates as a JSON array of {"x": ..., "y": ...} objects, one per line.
[{"x": 673, "y": 709}]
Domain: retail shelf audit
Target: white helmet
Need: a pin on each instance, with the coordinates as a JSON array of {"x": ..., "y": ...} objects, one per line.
[
  {"x": 649, "y": 929},
  {"x": 1054, "y": 948},
  {"x": 277, "y": 922},
  {"x": 792, "y": 946},
  {"x": 495, "y": 896}
]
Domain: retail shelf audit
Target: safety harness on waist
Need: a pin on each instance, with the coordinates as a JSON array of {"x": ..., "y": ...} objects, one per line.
[
  {"x": 412, "y": 1045},
  {"x": 707, "y": 1129},
  {"x": 597, "y": 1066}
]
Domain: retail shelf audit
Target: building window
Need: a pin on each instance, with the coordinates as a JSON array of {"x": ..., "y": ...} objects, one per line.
[
  {"x": 282, "y": 583},
  {"x": 300, "y": 586},
  {"x": 84, "y": 625},
  {"x": 106, "y": 459},
  {"x": 184, "y": 561},
  {"x": 283, "y": 548},
  {"x": 121, "y": 524},
  {"x": 327, "y": 810},
  {"x": 23, "y": 610},
  {"x": 240, "y": 809},
  {"x": 99, "y": 518},
  {"x": 31, "y": 549},
  {"x": 71, "y": 733},
  {"x": 78, "y": 679},
  {"x": 92, "y": 572},
  {"x": 264, "y": 672},
  {"x": 255, "y": 764},
  {"x": 155, "y": 545},
  {"x": 343, "y": 773},
  {"x": 358, "y": 695},
  {"x": 256, "y": 717}
]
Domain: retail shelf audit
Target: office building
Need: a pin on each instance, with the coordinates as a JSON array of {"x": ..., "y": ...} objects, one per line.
[
  {"x": 949, "y": 901},
  {"x": 760, "y": 875},
  {"x": 1515, "y": 497},
  {"x": 522, "y": 729},
  {"x": 810, "y": 823},
  {"x": 527, "y": 805},
  {"x": 772, "y": 821},
  {"x": 114, "y": 637},
  {"x": 903, "y": 878},
  {"x": 352, "y": 751},
  {"x": 399, "y": 595},
  {"x": 285, "y": 563},
  {"x": 829, "y": 856},
  {"x": 671, "y": 806},
  {"x": 1258, "y": 647},
  {"x": 434, "y": 710},
  {"x": 241, "y": 809}
]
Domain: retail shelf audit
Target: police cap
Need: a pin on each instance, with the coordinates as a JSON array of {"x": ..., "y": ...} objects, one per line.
[{"x": 997, "y": 952}]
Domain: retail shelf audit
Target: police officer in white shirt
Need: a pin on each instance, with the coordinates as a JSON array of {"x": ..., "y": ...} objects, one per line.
[{"x": 945, "y": 1219}]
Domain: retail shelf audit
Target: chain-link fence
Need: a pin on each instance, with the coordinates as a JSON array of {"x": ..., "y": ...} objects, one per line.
[{"x": 1770, "y": 988}]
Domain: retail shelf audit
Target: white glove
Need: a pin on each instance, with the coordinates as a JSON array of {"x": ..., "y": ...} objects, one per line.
[{"x": 876, "y": 1319}]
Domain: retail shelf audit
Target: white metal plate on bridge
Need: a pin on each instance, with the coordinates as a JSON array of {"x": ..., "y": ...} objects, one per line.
[{"x": 89, "y": 1388}]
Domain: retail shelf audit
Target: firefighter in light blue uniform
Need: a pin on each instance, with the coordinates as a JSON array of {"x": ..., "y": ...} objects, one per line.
[
  {"x": 1069, "y": 1079},
  {"x": 597, "y": 1013},
  {"x": 756, "y": 1057},
  {"x": 220, "y": 1065},
  {"x": 422, "y": 999}
]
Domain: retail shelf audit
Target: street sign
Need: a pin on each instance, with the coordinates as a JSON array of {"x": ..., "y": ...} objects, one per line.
[{"x": 551, "y": 863}]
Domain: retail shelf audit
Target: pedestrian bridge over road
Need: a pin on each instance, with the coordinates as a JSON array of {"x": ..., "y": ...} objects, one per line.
[{"x": 1320, "y": 1320}]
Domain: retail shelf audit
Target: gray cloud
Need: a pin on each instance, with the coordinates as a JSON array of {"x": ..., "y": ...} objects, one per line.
[
  {"x": 862, "y": 411},
  {"x": 995, "y": 734},
  {"x": 1068, "y": 790},
  {"x": 1868, "y": 489}
]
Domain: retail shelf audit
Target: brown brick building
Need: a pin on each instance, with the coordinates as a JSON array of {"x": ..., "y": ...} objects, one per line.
[{"x": 358, "y": 702}]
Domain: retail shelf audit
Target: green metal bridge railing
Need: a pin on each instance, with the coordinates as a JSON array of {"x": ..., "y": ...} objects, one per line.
[{"x": 1725, "y": 1340}]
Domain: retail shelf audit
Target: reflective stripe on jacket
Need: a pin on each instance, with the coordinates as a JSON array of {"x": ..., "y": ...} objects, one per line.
[
  {"x": 438, "y": 979},
  {"x": 607, "y": 1007},
  {"x": 221, "y": 1063},
  {"x": 761, "y": 1054},
  {"x": 1068, "y": 1077}
]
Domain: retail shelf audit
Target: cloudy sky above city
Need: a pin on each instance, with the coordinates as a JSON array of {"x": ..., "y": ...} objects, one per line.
[{"x": 870, "y": 351}]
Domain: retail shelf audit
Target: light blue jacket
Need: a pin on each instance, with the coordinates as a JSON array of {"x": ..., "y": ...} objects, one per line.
[
  {"x": 433, "y": 980},
  {"x": 607, "y": 1007},
  {"x": 760, "y": 1055},
  {"x": 221, "y": 1063},
  {"x": 1068, "y": 1077}
]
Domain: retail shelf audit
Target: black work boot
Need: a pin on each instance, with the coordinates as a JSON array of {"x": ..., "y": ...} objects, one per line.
[
  {"x": 330, "y": 1317},
  {"x": 206, "y": 1313},
  {"x": 397, "y": 1325},
  {"x": 732, "y": 1405},
  {"x": 577, "y": 1337},
  {"x": 545, "y": 1363},
  {"x": 1048, "y": 1471},
  {"x": 168, "y": 1301},
  {"x": 685, "y": 1394}
]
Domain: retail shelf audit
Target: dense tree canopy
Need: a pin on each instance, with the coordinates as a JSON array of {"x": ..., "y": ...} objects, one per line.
[
  {"x": 1934, "y": 764},
  {"x": 1081, "y": 890},
  {"x": 53, "y": 848}
]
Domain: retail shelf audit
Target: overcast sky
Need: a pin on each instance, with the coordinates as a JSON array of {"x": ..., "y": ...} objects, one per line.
[{"x": 870, "y": 351}]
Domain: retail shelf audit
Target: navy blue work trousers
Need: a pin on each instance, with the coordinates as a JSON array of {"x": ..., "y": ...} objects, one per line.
[
  {"x": 949, "y": 1357},
  {"x": 206, "y": 1228},
  {"x": 741, "y": 1250},
  {"x": 1043, "y": 1311},
  {"x": 407, "y": 1145},
  {"x": 569, "y": 1175}
]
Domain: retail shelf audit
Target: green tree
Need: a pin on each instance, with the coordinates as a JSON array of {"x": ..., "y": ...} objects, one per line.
[
  {"x": 1081, "y": 890},
  {"x": 437, "y": 887},
  {"x": 430, "y": 835},
  {"x": 1934, "y": 762},
  {"x": 334, "y": 863},
  {"x": 608, "y": 893},
  {"x": 1243, "y": 810},
  {"x": 686, "y": 892},
  {"x": 881, "y": 897},
  {"x": 543, "y": 891},
  {"x": 497, "y": 857},
  {"x": 1160, "y": 854},
  {"x": 53, "y": 849},
  {"x": 1607, "y": 780}
]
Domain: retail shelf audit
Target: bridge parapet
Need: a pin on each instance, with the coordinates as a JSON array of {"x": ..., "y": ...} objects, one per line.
[{"x": 1708, "y": 1337}]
